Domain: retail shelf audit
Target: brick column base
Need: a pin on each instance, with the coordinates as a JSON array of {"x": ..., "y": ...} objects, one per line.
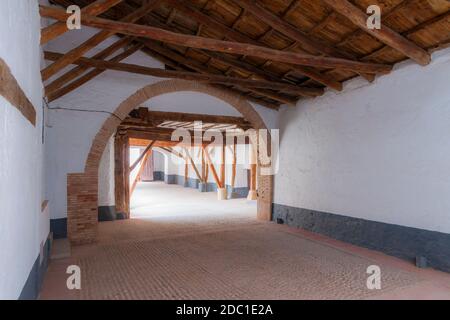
[{"x": 82, "y": 211}]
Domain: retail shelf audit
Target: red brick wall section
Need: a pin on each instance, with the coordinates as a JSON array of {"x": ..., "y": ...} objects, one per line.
[{"x": 82, "y": 193}]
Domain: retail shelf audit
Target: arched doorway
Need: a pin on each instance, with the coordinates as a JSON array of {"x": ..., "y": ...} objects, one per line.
[{"x": 82, "y": 188}]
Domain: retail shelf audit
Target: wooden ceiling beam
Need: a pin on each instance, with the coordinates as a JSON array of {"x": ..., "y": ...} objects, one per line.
[
  {"x": 59, "y": 28},
  {"x": 285, "y": 28},
  {"x": 216, "y": 45},
  {"x": 190, "y": 63},
  {"x": 235, "y": 35},
  {"x": 163, "y": 53},
  {"x": 192, "y": 117},
  {"x": 385, "y": 34},
  {"x": 79, "y": 51},
  {"x": 90, "y": 75},
  {"x": 78, "y": 71},
  {"x": 235, "y": 92},
  {"x": 192, "y": 76}
]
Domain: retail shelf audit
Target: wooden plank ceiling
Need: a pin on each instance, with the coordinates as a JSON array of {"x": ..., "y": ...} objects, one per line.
[{"x": 271, "y": 52}]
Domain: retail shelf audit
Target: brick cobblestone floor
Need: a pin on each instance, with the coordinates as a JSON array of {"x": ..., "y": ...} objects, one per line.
[{"x": 196, "y": 247}]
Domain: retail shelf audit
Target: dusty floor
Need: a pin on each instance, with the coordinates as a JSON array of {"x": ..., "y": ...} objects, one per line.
[{"x": 182, "y": 244}]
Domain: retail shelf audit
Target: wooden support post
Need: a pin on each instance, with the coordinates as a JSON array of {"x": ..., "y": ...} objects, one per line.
[
  {"x": 222, "y": 165},
  {"x": 186, "y": 173},
  {"x": 234, "y": 167},
  {"x": 252, "y": 195},
  {"x": 122, "y": 174}
]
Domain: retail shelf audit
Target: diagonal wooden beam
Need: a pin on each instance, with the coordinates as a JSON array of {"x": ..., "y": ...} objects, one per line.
[
  {"x": 189, "y": 157},
  {"x": 13, "y": 93},
  {"x": 142, "y": 155},
  {"x": 277, "y": 23},
  {"x": 190, "y": 63},
  {"x": 218, "y": 45},
  {"x": 385, "y": 34},
  {"x": 78, "y": 71},
  {"x": 192, "y": 76},
  {"x": 59, "y": 28},
  {"x": 212, "y": 168},
  {"x": 235, "y": 92},
  {"x": 194, "y": 65},
  {"x": 90, "y": 75},
  {"x": 79, "y": 51},
  {"x": 234, "y": 35}
]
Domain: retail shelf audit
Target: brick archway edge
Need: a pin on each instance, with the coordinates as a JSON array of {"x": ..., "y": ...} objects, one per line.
[{"x": 82, "y": 188}]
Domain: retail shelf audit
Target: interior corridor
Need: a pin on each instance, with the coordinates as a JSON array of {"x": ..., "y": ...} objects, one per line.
[{"x": 183, "y": 244}]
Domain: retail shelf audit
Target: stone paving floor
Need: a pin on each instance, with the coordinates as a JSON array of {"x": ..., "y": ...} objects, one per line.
[{"x": 182, "y": 244}]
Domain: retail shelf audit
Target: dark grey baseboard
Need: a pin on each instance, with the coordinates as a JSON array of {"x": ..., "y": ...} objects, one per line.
[
  {"x": 33, "y": 285},
  {"x": 241, "y": 192},
  {"x": 59, "y": 228},
  {"x": 158, "y": 176},
  {"x": 395, "y": 240},
  {"x": 107, "y": 213}
]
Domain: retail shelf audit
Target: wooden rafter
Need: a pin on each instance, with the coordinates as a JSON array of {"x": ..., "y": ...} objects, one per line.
[
  {"x": 92, "y": 42},
  {"x": 216, "y": 45},
  {"x": 209, "y": 78},
  {"x": 78, "y": 71},
  {"x": 90, "y": 75},
  {"x": 385, "y": 34},
  {"x": 305, "y": 41},
  {"x": 232, "y": 34},
  {"x": 59, "y": 28}
]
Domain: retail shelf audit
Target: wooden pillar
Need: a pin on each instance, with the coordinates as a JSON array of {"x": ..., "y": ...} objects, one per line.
[
  {"x": 122, "y": 174},
  {"x": 234, "y": 168},
  {"x": 252, "y": 194},
  {"x": 204, "y": 167},
  {"x": 222, "y": 191},
  {"x": 186, "y": 172}
]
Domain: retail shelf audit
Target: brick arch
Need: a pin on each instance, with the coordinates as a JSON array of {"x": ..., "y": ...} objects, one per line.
[{"x": 82, "y": 188}]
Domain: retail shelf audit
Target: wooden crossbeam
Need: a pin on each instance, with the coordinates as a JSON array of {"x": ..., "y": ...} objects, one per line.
[
  {"x": 79, "y": 51},
  {"x": 208, "y": 78},
  {"x": 59, "y": 28},
  {"x": 218, "y": 45},
  {"x": 158, "y": 116},
  {"x": 385, "y": 34}
]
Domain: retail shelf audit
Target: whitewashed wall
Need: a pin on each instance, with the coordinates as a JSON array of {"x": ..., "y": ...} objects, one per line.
[
  {"x": 71, "y": 132},
  {"x": 376, "y": 151},
  {"x": 106, "y": 182},
  {"x": 21, "y": 221}
]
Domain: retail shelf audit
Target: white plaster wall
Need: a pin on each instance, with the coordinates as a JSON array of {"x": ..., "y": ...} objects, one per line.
[
  {"x": 158, "y": 161},
  {"x": 71, "y": 133},
  {"x": 376, "y": 151},
  {"x": 21, "y": 221},
  {"x": 106, "y": 196}
]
